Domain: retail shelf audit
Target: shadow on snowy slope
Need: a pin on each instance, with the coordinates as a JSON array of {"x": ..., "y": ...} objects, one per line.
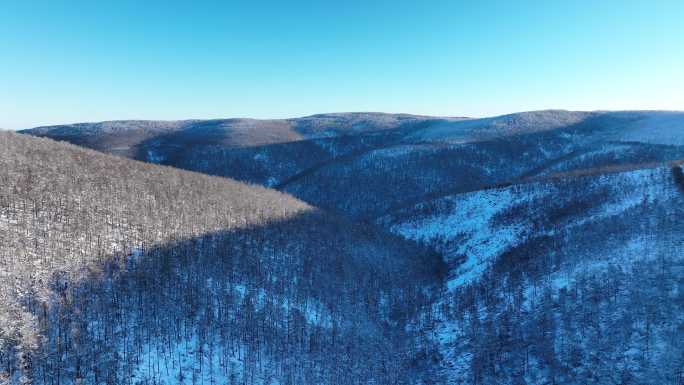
[{"x": 302, "y": 300}]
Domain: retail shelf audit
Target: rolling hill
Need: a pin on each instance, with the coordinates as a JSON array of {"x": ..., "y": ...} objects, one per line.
[
  {"x": 532, "y": 248},
  {"x": 117, "y": 271},
  {"x": 345, "y": 162},
  {"x": 569, "y": 280},
  {"x": 259, "y": 151}
]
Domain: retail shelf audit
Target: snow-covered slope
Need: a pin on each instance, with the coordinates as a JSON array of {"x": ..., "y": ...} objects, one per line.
[
  {"x": 656, "y": 128},
  {"x": 481, "y": 225},
  {"x": 560, "y": 232},
  {"x": 488, "y": 128},
  {"x": 117, "y": 271},
  {"x": 464, "y": 229},
  {"x": 514, "y": 255}
]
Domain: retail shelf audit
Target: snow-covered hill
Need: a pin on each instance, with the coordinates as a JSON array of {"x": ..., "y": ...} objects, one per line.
[
  {"x": 557, "y": 239},
  {"x": 116, "y": 271},
  {"x": 472, "y": 130},
  {"x": 315, "y": 157},
  {"x": 578, "y": 248},
  {"x": 655, "y": 127},
  {"x": 516, "y": 147}
]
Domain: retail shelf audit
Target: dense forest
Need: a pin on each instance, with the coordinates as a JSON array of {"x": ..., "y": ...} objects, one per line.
[
  {"x": 344, "y": 163},
  {"x": 533, "y": 248},
  {"x": 574, "y": 280},
  {"x": 116, "y": 271}
]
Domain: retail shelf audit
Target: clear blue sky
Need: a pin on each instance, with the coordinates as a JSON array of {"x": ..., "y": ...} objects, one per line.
[{"x": 99, "y": 60}]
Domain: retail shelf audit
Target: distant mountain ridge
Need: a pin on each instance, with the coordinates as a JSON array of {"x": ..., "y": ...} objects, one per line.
[
  {"x": 344, "y": 162},
  {"x": 350, "y": 123},
  {"x": 234, "y": 132}
]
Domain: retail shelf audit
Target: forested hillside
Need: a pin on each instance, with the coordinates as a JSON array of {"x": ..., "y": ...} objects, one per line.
[
  {"x": 120, "y": 272},
  {"x": 542, "y": 247},
  {"x": 442, "y": 157},
  {"x": 575, "y": 280},
  {"x": 344, "y": 162},
  {"x": 260, "y": 151},
  {"x": 268, "y": 152}
]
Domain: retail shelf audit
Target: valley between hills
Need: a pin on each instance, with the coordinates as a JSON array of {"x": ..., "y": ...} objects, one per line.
[{"x": 541, "y": 247}]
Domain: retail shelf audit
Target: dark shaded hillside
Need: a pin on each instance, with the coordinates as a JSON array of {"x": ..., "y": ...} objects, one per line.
[
  {"x": 253, "y": 305},
  {"x": 678, "y": 176},
  {"x": 270, "y": 165},
  {"x": 115, "y": 137},
  {"x": 116, "y": 271}
]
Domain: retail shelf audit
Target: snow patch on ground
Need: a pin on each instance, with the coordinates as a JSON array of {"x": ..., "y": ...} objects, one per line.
[
  {"x": 377, "y": 157},
  {"x": 470, "y": 225},
  {"x": 328, "y": 145},
  {"x": 271, "y": 181},
  {"x": 584, "y": 157},
  {"x": 637, "y": 187},
  {"x": 394, "y": 151},
  {"x": 155, "y": 157},
  {"x": 465, "y": 229},
  {"x": 386, "y": 157},
  {"x": 641, "y": 248},
  {"x": 260, "y": 157},
  {"x": 195, "y": 362}
]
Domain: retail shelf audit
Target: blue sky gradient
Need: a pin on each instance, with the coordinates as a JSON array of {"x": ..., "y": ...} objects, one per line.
[{"x": 71, "y": 61}]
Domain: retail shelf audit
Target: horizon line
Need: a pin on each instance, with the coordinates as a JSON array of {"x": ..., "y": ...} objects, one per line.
[{"x": 462, "y": 117}]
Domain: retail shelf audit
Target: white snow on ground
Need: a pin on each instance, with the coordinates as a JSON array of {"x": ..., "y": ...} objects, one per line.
[
  {"x": 328, "y": 145},
  {"x": 637, "y": 187},
  {"x": 260, "y": 157},
  {"x": 467, "y": 226},
  {"x": 657, "y": 128},
  {"x": 629, "y": 190},
  {"x": 167, "y": 363},
  {"x": 468, "y": 229},
  {"x": 636, "y": 249},
  {"x": 377, "y": 157},
  {"x": 190, "y": 362},
  {"x": 454, "y": 131},
  {"x": 470, "y": 223},
  {"x": 155, "y": 157},
  {"x": 604, "y": 150},
  {"x": 394, "y": 151},
  {"x": 374, "y": 158}
]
